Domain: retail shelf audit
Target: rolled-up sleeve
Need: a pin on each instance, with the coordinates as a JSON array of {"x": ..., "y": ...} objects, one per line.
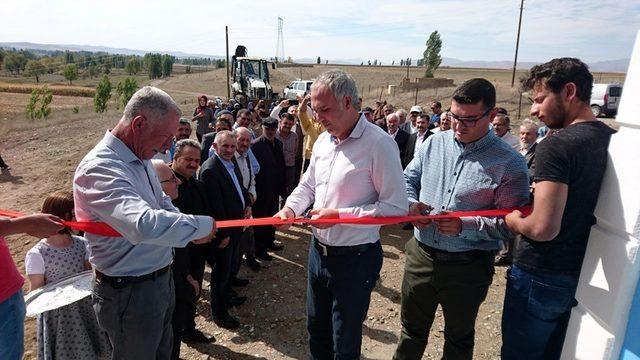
[{"x": 110, "y": 196}]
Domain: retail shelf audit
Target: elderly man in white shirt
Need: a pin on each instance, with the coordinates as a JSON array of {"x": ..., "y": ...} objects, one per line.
[{"x": 354, "y": 172}]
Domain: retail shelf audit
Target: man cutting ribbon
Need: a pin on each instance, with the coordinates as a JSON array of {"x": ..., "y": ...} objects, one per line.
[
  {"x": 344, "y": 260},
  {"x": 450, "y": 261},
  {"x": 133, "y": 294}
]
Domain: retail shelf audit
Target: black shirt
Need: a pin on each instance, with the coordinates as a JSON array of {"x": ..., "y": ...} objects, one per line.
[{"x": 576, "y": 156}]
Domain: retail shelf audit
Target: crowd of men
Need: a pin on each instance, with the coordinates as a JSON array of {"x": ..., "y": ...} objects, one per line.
[{"x": 329, "y": 157}]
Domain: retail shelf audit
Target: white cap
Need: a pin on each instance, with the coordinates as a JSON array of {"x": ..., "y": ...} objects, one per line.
[{"x": 416, "y": 108}]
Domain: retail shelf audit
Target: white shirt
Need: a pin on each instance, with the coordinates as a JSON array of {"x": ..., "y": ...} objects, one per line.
[
  {"x": 248, "y": 177},
  {"x": 394, "y": 134},
  {"x": 360, "y": 176},
  {"x": 419, "y": 141},
  {"x": 512, "y": 140}
]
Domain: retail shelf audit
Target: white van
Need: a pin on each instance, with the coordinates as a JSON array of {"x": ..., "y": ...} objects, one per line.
[
  {"x": 297, "y": 88},
  {"x": 605, "y": 99}
]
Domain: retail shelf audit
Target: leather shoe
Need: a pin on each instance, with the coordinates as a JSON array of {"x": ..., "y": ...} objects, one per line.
[
  {"x": 239, "y": 282},
  {"x": 275, "y": 246},
  {"x": 253, "y": 264},
  {"x": 236, "y": 301},
  {"x": 197, "y": 336},
  {"x": 264, "y": 257},
  {"x": 226, "y": 321},
  {"x": 501, "y": 261}
]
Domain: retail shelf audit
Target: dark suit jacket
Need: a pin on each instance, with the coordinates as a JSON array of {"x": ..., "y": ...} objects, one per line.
[
  {"x": 222, "y": 196},
  {"x": 529, "y": 157},
  {"x": 402, "y": 137},
  {"x": 270, "y": 179},
  {"x": 411, "y": 147},
  {"x": 207, "y": 141}
]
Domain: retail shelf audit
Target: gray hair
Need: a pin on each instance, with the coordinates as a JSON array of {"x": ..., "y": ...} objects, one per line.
[
  {"x": 244, "y": 130},
  {"x": 224, "y": 134},
  {"x": 340, "y": 84},
  {"x": 156, "y": 163},
  {"x": 401, "y": 112},
  {"x": 150, "y": 99},
  {"x": 391, "y": 116},
  {"x": 180, "y": 145},
  {"x": 530, "y": 125}
]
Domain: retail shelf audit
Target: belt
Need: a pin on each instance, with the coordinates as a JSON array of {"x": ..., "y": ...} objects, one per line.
[
  {"x": 122, "y": 281},
  {"x": 327, "y": 250},
  {"x": 444, "y": 257}
]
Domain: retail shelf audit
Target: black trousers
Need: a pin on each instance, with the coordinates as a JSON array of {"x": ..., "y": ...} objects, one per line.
[
  {"x": 265, "y": 235},
  {"x": 185, "y": 303},
  {"x": 198, "y": 255},
  {"x": 220, "y": 275}
]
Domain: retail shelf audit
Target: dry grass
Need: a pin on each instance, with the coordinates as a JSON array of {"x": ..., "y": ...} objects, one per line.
[{"x": 66, "y": 90}]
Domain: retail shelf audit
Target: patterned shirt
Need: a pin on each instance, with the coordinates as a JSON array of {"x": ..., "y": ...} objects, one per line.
[
  {"x": 449, "y": 176},
  {"x": 289, "y": 147}
]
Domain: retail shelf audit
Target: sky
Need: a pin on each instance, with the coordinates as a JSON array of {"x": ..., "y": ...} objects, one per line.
[{"x": 593, "y": 30}]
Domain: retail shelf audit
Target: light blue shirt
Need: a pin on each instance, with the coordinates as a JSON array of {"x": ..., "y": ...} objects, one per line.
[
  {"x": 449, "y": 176},
  {"x": 230, "y": 167},
  {"x": 114, "y": 186}
]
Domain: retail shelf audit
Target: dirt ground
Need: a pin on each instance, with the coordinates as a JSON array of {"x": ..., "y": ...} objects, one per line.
[{"x": 43, "y": 155}]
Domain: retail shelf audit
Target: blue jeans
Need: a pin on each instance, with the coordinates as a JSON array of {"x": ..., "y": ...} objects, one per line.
[
  {"x": 338, "y": 295},
  {"x": 12, "y": 312},
  {"x": 536, "y": 314}
]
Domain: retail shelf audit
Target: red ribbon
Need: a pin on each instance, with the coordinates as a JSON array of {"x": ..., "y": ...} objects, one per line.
[{"x": 100, "y": 228}]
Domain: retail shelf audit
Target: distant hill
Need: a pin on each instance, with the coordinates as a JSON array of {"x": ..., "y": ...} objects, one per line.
[
  {"x": 92, "y": 48},
  {"x": 619, "y": 65}
]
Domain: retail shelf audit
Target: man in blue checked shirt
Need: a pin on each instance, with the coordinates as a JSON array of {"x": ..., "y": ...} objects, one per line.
[{"x": 450, "y": 262}]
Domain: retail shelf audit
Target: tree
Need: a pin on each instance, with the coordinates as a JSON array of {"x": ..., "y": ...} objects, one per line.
[
  {"x": 408, "y": 62},
  {"x": 318, "y": 61},
  {"x": 401, "y": 62},
  {"x": 132, "y": 67},
  {"x": 93, "y": 70},
  {"x": 393, "y": 62},
  {"x": 167, "y": 64},
  {"x": 431, "y": 55},
  {"x": 15, "y": 62},
  {"x": 369, "y": 62},
  {"x": 35, "y": 68},
  {"x": 125, "y": 90},
  {"x": 375, "y": 62},
  {"x": 103, "y": 94},
  {"x": 70, "y": 73},
  {"x": 68, "y": 57},
  {"x": 153, "y": 63}
]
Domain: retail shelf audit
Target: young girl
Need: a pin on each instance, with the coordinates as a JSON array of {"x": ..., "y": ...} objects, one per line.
[{"x": 70, "y": 331}]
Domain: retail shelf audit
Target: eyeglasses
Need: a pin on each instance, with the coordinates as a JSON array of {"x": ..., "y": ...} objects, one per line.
[
  {"x": 173, "y": 179},
  {"x": 469, "y": 121}
]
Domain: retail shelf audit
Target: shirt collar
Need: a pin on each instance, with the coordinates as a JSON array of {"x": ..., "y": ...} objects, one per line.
[
  {"x": 228, "y": 164},
  {"x": 489, "y": 138},
  {"x": 120, "y": 148},
  {"x": 357, "y": 131}
]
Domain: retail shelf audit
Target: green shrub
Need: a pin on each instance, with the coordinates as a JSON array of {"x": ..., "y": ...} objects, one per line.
[
  {"x": 125, "y": 90},
  {"x": 103, "y": 94},
  {"x": 38, "y": 106}
]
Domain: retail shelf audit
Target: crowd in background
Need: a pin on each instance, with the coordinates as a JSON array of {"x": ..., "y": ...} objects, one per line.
[{"x": 259, "y": 159}]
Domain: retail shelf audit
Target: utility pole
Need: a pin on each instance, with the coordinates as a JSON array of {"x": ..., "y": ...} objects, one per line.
[
  {"x": 515, "y": 60},
  {"x": 226, "y": 34}
]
